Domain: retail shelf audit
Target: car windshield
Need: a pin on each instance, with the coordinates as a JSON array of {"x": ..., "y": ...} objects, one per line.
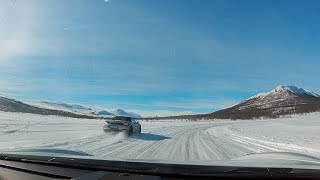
[
  {"x": 210, "y": 81},
  {"x": 122, "y": 118}
]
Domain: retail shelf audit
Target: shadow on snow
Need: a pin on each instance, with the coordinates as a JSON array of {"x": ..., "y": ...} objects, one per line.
[{"x": 149, "y": 137}]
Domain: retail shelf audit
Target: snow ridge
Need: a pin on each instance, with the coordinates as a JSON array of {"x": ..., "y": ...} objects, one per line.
[
  {"x": 286, "y": 88},
  {"x": 297, "y": 91}
]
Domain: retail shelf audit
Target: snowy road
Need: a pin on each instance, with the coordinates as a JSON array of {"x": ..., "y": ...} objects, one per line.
[{"x": 171, "y": 140}]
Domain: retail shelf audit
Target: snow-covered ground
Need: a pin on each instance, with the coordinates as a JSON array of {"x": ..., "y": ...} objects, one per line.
[{"x": 162, "y": 140}]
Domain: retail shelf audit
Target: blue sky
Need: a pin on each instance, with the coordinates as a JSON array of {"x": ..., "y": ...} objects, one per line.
[{"x": 156, "y": 56}]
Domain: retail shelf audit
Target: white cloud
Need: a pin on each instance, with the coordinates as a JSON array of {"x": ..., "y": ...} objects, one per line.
[{"x": 20, "y": 25}]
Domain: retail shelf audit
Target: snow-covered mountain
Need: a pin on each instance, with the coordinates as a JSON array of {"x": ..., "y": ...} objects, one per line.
[
  {"x": 76, "y": 108},
  {"x": 12, "y": 105},
  {"x": 103, "y": 113},
  {"x": 120, "y": 112},
  {"x": 280, "y": 96},
  {"x": 282, "y": 100},
  {"x": 287, "y": 91},
  {"x": 82, "y": 109},
  {"x": 59, "y": 109}
]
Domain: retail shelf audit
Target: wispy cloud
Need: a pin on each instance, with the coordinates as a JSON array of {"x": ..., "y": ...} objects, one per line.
[
  {"x": 79, "y": 49},
  {"x": 75, "y": 28}
]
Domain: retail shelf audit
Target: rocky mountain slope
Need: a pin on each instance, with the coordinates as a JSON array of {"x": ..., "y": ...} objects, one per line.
[{"x": 282, "y": 100}]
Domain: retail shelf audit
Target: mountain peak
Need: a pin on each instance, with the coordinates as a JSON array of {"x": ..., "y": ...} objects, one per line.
[
  {"x": 295, "y": 90},
  {"x": 283, "y": 91},
  {"x": 120, "y": 112}
]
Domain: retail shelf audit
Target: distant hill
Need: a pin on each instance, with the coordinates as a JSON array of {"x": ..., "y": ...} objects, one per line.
[
  {"x": 59, "y": 109},
  {"x": 82, "y": 109},
  {"x": 283, "y": 100},
  {"x": 120, "y": 112},
  {"x": 12, "y": 105}
]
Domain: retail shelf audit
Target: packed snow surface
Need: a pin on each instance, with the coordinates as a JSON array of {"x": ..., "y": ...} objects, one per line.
[{"x": 161, "y": 140}]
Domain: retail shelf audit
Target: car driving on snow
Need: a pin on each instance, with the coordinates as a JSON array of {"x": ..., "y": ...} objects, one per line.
[{"x": 122, "y": 123}]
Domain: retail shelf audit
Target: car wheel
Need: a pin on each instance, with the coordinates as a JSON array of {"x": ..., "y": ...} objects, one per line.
[{"x": 130, "y": 130}]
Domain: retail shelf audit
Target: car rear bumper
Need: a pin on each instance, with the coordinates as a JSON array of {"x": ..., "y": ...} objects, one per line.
[{"x": 109, "y": 127}]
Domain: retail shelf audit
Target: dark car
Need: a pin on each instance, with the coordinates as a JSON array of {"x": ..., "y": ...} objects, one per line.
[{"x": 122, "y": 123}]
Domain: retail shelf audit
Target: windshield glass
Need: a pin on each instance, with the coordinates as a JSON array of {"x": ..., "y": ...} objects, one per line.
[{"x": 205, "y": 81}]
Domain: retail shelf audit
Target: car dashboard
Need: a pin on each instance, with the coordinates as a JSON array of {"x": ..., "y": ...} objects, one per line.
[{"x": 30, "y": 167}]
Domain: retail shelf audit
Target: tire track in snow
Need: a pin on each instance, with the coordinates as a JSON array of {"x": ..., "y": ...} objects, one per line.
[
  {"x": 166, "y": 141},
  {"x": 262, "y": 145},
  {"x": 190, "y": 142}
]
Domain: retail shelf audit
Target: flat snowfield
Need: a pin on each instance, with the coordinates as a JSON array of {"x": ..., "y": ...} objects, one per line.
[{"x": 165, "y": 140}]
